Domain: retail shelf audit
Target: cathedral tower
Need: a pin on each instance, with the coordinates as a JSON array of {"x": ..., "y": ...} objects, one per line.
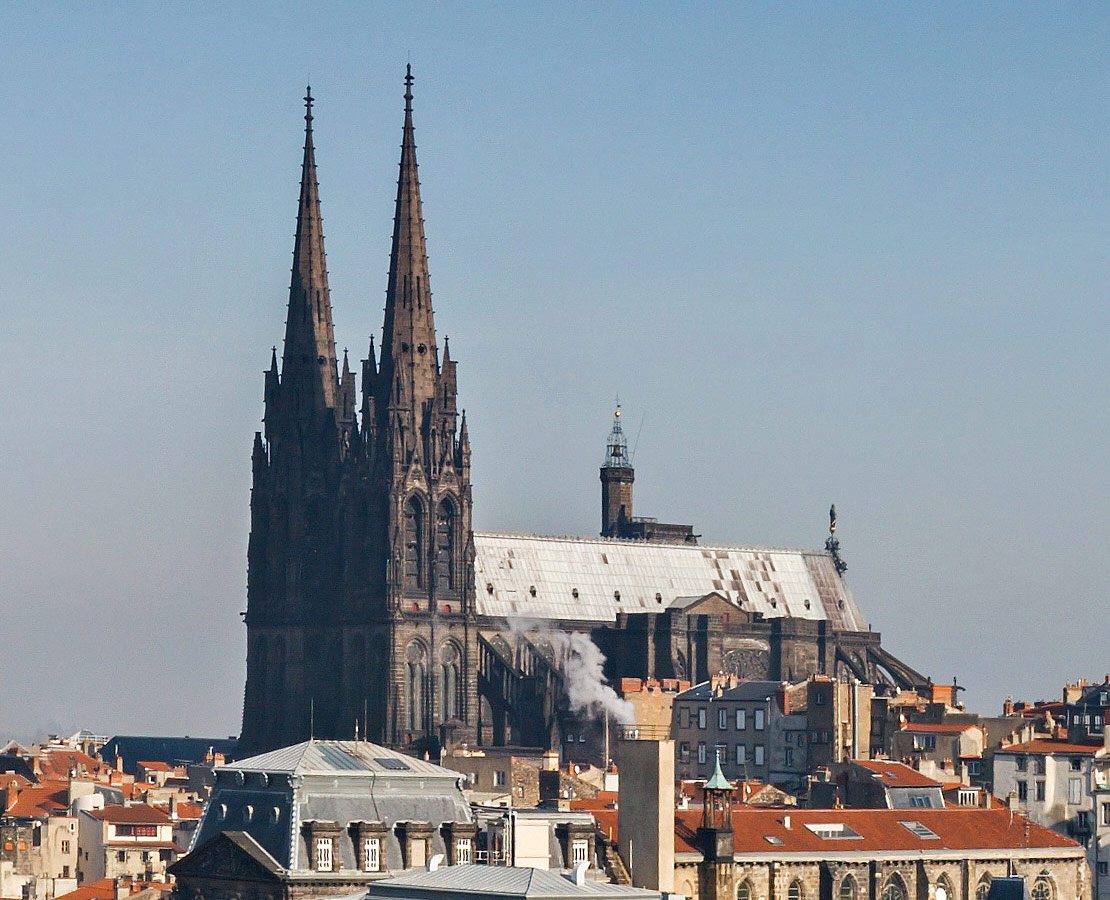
[
  {"x": 359, "y": 602},
  {"x": 417, "y": 500}
]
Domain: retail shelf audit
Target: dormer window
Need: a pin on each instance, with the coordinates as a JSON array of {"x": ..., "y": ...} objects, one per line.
[
  {"x": 463, "y": 855},
  {"x": 324, "y": 861},
  {"x": 371, "y": 854}
]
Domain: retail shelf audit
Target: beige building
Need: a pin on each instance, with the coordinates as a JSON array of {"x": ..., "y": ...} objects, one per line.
[{"x": 125, "y": 841}]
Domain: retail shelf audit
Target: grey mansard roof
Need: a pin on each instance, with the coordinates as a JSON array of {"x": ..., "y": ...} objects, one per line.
[
  {"x": 340, "y": 758},
  {"x": 528, "y": 576},
  {"x": 271, "y": 796}
]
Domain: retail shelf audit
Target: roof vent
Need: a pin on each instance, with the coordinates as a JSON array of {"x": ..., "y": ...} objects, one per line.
[
  {"x": 435, "y": 862},
  {"x": 580, "y": 872}
]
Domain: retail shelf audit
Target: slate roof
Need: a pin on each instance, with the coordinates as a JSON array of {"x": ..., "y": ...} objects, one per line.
[
  {"x": 752, "y": 691},
  {"x": 498, "y": 881},
  {"x": 174, "y": 751},
  {"x": 649, "y": 577},
  {"x": 338, "y": 758}
]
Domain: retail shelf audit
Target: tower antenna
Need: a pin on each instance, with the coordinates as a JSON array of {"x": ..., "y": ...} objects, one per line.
[
  {"x": 636, "y": 443},
  {"x": 312, "y": 718}
]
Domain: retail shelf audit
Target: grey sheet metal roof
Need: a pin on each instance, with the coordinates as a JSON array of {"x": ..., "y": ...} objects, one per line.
[
  {"x": 498, "y": 881},
  {"x": 338, "y": 758},
  {"x": 528, "y": 576},
  {"x": 756, "y": 691}
]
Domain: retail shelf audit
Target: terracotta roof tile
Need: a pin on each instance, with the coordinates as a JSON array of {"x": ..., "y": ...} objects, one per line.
[
  {"x": 931, "y": 728},
  {"x": 1049, "y": 745},
  {"x": 895, "y": 774},
  {"x": 139, "y": 814},
  {"x": 880, "y": 830}
]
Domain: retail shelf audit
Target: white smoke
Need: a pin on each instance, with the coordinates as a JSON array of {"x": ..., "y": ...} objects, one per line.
[{"x": 582, "y": 665}]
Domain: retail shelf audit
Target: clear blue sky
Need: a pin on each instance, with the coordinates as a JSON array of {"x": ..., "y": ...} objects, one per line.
[{"x": 853, "y": 253}]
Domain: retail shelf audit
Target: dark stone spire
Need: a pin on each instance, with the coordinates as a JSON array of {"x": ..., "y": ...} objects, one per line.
[
  {"x": 308, "y": 363},
  {"x": 408, "y": 366}
]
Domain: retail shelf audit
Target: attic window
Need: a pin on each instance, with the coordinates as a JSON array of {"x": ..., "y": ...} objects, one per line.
[
  {"x": 806, "y": 602},
  {"x": 574, "y": 593},
  {"x": 422, "y": 349},
  {"x": 489, "y": 588},
  {"x": 390, "y": 762},
  {"x": 771, "y": 839},
  {"x": 248, "y": 813},
  {"x": 532, "y": 590},
  {"x": 919, "y": 830},
  {"x": 275, "y": 815},
  {"x": 617, "y": 596},
  {"x": 834, "y": 831},
  {"x": 658, "y": 598}
]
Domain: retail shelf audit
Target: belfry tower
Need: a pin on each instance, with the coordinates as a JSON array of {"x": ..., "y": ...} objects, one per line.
[
  {"x": 415, "y": 493},
  {"x": 359, "y": 599}
]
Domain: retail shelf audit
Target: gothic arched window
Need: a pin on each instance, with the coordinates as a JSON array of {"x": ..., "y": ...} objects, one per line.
[
  {"x": 795, "y": 891},
  {"x": 983, "y": 888},
  {"x": 895, "y": 889},
  {"x": 445, "y": 545},
  {"x": 414, "y": 686},
  {"x": 848, "y": 888},
  {"x": 944, "y": 889},
  {"x": 744, "y": 890},
  {"x": 414, "y": 543},
  {"x": 1042, "y": 889},
  {"x": 449, "y": 683}
]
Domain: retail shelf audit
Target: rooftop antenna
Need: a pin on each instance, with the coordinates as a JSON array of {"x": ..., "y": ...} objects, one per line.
[
  {"x": 312, "y": 718},
  {"x": 636, "y": 443}
]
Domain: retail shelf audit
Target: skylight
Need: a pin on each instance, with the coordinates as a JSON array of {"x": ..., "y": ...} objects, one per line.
[
  {"x": 916, "y": 828},
  {"x": 397, "y": 765},
  {"x": 771, "y": 839},
  {"x": 833, "y": 831}
]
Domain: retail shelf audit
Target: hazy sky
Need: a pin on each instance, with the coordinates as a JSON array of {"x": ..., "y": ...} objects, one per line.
[{"x": 824, "y": 252}]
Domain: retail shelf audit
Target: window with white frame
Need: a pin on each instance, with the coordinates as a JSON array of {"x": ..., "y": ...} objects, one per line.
[
  {"x": 579, "y": 851},
  {"x": 371, "y": 854},
  {"x": 463, "y": 854},
  {"x": 760, "y": 719},
  {"x": 701, "y": 717},
  {"x": 1075, "y": 790},
  {"x": 742, "y": 757},
  {"x": 701, "y": 752},
  {"x": 741, "y": 719},
  {"x": 722, "y": 719},
  {"x": 760, "y": 753},
  {"x": 323, "y": 854}
]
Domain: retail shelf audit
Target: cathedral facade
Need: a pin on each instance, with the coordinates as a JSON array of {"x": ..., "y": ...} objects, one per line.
[{"x": 374, "y": 609}]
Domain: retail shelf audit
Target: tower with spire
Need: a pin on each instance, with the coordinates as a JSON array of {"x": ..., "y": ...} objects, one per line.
[
  {"x": 359, "y": 614},
  {"x": 415, "y": 487}
]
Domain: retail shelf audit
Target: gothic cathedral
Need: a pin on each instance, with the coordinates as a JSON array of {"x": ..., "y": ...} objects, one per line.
[{"x": 360, "y": 563}]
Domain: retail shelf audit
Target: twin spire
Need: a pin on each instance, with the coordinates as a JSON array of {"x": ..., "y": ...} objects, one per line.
[
  {"x": 409, "y": 356},
  {"x": 309, "y": 354}
]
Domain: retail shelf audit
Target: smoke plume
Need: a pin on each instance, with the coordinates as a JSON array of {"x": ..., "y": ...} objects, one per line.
[{"x": 582, "y": 665}]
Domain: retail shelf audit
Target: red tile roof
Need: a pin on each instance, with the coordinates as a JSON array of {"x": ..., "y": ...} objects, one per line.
[
  {"x": 959, "y": 829},
  {"x": 931, "y": 728},
  {"x": 155, "y": 766},
  {"x": 895, "y": 774},
  {"x": 1050, "y": 745},
  {"x": 44, "y": 799},
  {"x": 136, "y": 814},
  {"x": 59, "y": 763},
  {"x": 105, "y": 889}
]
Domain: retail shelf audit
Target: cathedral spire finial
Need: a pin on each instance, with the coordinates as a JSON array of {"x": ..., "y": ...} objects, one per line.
[
  {"x": 309, "y": 359},
  {"x": 408, "y": 350}
]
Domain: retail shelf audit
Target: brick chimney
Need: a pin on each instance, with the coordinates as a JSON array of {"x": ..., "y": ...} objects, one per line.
[
  {"x": 782, "y": 695},
  {"x": 1008, "y": 707},
  {"x": 11, "y": 794}
]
